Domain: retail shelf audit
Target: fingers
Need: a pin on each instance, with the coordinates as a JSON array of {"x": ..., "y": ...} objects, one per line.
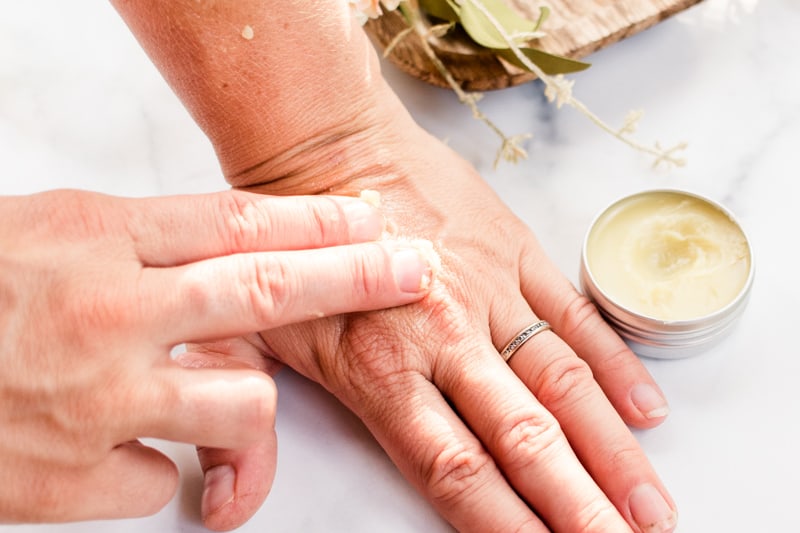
[
  {"x": 527, "y": 442},
  {"x": 435, "y": 450},
  {"x": 228, "y": 296},
  {"x": 247, "y": 351},
  {"x": 602, "y": 441},
  {"x": 218, "y": 408},
  {"x": 236, "y": 482},
  {"x": 176, "y": 230},
  {"x": 623, "y": 378},
  {"x": 132, "y": 481},
  {"x": 577, "y": 397},
  {"x": 564, "y": 384}
]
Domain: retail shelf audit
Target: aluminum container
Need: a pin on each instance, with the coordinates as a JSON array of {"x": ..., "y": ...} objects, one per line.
[{"x": 649, "y": 336}]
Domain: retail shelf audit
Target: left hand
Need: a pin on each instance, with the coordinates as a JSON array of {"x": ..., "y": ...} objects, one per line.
[{"x": 538, "y": 443}]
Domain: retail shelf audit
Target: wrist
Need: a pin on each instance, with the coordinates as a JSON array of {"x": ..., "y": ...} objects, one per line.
[
  {"x": 419, "y": 178},
  {"x": 367, "y": 147},
  {"x": 276, "y": 97}
]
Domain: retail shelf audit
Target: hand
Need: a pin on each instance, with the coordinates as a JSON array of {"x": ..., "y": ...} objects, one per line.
[
  {"x": 542, "y": 443},
  {"x": 95, "y": 291},
  {"x": 538, "y": 444}
]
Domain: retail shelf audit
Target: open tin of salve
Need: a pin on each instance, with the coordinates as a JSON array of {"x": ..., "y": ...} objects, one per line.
[{"x": 671, "y": 271}]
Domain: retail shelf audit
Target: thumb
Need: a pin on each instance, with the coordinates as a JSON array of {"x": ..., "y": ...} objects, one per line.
[{"x": 236, "y": 482}]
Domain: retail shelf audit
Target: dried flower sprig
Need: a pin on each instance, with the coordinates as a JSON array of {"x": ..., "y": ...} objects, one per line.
[
  {"x": 492, "y": 25},
  {"x": 511, "y": 147},
  {"x": 367, "y": 9}
]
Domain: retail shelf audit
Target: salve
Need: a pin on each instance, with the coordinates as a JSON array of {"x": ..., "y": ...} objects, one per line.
[{"x": 668, "y": 255}]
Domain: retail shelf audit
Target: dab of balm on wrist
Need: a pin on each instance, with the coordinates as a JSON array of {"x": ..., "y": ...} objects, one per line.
[{"x": 669, "y": 270}]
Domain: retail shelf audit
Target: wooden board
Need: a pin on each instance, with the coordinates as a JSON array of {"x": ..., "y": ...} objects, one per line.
[{"x": 575, "y": 29}]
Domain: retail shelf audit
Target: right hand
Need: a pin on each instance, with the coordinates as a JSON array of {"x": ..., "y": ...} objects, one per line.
[{"x": 95, "y": 291}]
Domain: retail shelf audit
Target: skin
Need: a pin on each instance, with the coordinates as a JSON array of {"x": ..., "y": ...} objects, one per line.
[
  {"x": 539, "y": 444},
  {"x": 116, "y": 284}
]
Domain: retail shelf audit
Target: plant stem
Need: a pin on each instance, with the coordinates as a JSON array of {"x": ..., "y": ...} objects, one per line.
[
  {"x": 565, "y": 96},
  {"x": 510, "y": 149}
]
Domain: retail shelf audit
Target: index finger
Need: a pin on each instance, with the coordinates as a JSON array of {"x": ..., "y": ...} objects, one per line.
[
  {"x": 175, "y": 230},
  {"x": 230, "y": 296}
]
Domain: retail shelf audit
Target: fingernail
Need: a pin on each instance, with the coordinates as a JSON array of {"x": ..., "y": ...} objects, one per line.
[
  {"x": 650, "y": 510},
  {"x": 414, "y": 266},
  {"x": 649, "y": 401},
  {"x": 365, "y": 222},
  {"x": 218, "y": 489}
]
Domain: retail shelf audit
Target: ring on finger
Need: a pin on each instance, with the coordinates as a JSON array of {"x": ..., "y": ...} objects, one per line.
[{"x": 522, "y": 337}]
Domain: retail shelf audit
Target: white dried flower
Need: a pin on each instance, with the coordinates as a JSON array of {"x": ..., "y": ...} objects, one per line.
[
  {"x": 364, "y": 10},
  {"x": 631, "y": 121},
  {"x": 559, "y": 89},
  {"x": 512, "y": 150}
]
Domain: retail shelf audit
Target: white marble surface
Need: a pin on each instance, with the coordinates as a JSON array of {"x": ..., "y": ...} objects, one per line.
[{"x": 82, "y": 107}]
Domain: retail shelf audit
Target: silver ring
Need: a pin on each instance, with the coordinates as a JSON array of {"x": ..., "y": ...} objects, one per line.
[{"x": 522, "y": 337}]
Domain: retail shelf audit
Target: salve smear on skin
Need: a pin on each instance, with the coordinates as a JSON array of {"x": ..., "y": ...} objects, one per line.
[{"x": 668, "y": 256}]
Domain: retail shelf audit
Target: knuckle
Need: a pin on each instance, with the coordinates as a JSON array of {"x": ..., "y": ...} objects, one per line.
[
  {"x": 596, "y": 515},
  {"x": 454, "y": 471},
  {"x": 260, "y": 415},
  {"x": 86, "y": 311},
  {"x": 387, "y": 348},
  {"x": 625, "y": 459},
  {"x": 372, "y": 355},
  {"x": 242, "y": 223},
  {"x": 528, "y": 436},
  {"x": 366, "y": 272},
  {"x": 323, "y": 226},
  {"x": 580, "y": 316},
  {"x": 577, "y": 313},
  {"x": 564, "y": 380},
  {"x": 615, "y": 362},
  {"x": 84, "y": 218},
  {"x": 194, "y": 292},
  {"x": 271, "y": 290}
]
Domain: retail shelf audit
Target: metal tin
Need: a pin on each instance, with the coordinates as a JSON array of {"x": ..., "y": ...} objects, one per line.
[{"x": 665, "y": 339}]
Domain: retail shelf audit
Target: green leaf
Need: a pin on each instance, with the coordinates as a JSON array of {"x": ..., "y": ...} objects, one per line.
[
  {"x": 440, "y": 9},
  {"x": 484, "y": 33},
  {"x": 544, "y": 13},
  {"x": 481, "y": 29},
  {"x": 549, "y": 63}
]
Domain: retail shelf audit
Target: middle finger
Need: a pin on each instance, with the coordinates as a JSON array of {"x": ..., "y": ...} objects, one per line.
[
  {"x": 527, "y": 443},
  {"x": 229, "y": 296},
  {"x": 564, "y": 384}
]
